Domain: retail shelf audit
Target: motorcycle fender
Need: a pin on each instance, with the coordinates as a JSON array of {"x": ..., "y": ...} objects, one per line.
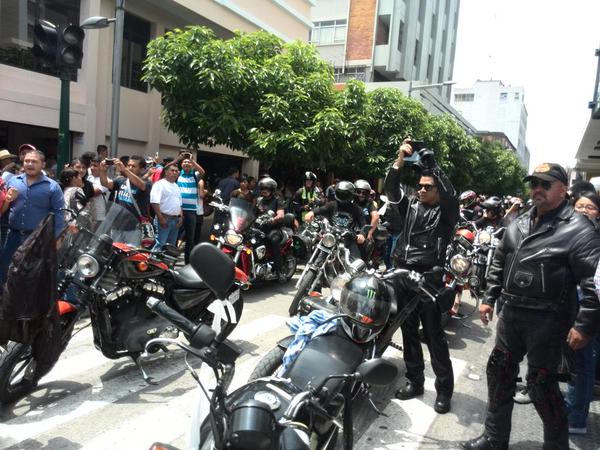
[{"x": 285, "y": 342}]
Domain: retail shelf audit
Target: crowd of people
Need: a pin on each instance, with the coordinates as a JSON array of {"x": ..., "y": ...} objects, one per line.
[{"x": 544, "y": 279}]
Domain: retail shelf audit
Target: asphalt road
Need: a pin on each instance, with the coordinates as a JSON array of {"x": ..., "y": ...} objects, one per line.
[{"x": 90, "y": 402}]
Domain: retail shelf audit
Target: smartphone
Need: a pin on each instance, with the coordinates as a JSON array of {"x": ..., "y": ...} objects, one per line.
[
  {"x": 109, "y": 161},
  {"x": 187, "y": 155}
]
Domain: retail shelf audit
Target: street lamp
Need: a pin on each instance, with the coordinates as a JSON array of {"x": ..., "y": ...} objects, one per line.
[
  {"x": 97, "y": 22},
  {"x": 419, "y": 87}
]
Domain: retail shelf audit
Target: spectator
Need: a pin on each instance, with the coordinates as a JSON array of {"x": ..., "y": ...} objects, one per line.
[
  {"x": 101, "y": 152},
  {"x": 7, "y": 161},
  {"x": 72, "y": 186},
  {"x": 200, "y": 211},
  {"x": 131, "y": 192},
  {"x": 88, "y": 188},
  {"x": 188, "y": 182},
  {"x": 100, "y": 192},
  {"x": 31, "y": 196},
  {"x": 243, "y": 191},
  {"x": 229, "y": 184},
  {"x": 330, "y": 191},
  {"x": 166, "y": 201}
]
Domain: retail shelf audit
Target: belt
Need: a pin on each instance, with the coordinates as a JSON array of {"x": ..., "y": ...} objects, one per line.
[
  {"x": 171, "y": 216},
  {"x": 521, "y": 301},
  {"x": 21, "y": 232}
]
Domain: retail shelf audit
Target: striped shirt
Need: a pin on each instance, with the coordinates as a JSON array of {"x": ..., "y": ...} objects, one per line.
[{"x": 188, "y": 185}]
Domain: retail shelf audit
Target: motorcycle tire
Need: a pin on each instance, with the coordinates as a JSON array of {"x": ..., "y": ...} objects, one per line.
[
  {"x": 290, "y": 263},
  {"x": 301, "y": 292},
  {"x": 17, "y": 361},
  {"x": 269, "y": 364}
]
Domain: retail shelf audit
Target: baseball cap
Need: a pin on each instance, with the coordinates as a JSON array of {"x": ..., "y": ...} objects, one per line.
[{"x": 549, "y": 172}]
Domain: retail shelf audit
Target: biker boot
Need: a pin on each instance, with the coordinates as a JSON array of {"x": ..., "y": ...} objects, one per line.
[
  {"x": 410, "y": 390},
  {"x": 484, "y": 442}
]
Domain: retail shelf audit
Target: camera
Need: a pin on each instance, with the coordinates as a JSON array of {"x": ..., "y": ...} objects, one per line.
[{"x": 110, "y": 161}]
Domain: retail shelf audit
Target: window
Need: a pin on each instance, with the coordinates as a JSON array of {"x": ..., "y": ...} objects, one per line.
[
  {"x": 17, "y": 19},
  {"x": 464, "y": 97},
  {"x": 429, "y": 68},
  {"x": 517, "y": 96},
  {"x": 400, "y": 35},
  {"x": 503, "y": 95},
  {"x": 350, "y": 73},
  {"x": 416, "y": 58},
  {"x": 135, "y": 39},
  {"x": 382, "y": 35},
  {"x": 328, "y": 32}
]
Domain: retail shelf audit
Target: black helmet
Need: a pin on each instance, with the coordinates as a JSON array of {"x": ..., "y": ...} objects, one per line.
[
  {"x": 467, "y": 198},
  {"x": 310, "y": 176},
  {"x": 367, "y": 305},
  {"x": 493, "y": 204},
  {"x": 267, "y": 184},
  {"x": 363, "y": 185},
  {"x": 344, "y": 192}
]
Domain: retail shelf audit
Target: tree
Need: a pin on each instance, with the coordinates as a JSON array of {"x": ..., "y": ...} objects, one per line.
[{"x": 498, "y": 172}]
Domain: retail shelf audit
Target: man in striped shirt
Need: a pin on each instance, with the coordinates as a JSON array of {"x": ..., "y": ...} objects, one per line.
[{"x": 188, "y": 182}]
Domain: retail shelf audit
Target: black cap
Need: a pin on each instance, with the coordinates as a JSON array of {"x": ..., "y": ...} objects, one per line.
[{"x": 549, "y": 172}]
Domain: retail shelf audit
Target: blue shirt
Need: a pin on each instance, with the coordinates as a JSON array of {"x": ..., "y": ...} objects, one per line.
[
  {"x": 35, "y": 202},
  {"x": 189, "y": 190}
]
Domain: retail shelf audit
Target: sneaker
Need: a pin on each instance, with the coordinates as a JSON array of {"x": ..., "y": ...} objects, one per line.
[
  {"x": 577, "y": 430},
  {"x": 522, "y": 397}
]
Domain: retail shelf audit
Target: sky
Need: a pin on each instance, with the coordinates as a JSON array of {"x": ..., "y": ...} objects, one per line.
[{"x": 547, "y": 47}]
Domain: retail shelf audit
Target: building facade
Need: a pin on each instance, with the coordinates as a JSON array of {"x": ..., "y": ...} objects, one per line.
[
  {"x": 29, "y": 94},
  {"x": 388, "y": 40},
  {"x": 493, "y": 107}
]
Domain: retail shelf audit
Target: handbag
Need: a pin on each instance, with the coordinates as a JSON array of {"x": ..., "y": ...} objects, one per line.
[{"x": 147, "y": 229}]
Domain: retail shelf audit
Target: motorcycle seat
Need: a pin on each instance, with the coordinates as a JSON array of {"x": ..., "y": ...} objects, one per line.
[
  {"x": 187, "y": 277},
  {"x": 323, "y": 356}
]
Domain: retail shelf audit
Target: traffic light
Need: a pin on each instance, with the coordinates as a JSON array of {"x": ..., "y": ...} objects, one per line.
[
  {"x": 70, "y": 46},
  {"x": 45, "y": 44}
]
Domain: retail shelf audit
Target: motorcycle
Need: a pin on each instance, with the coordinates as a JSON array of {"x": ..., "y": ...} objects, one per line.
[
  {"x": 305, "y": 409},
  {"x": 326, "y": 262},
  {"x": 113, "y": 280},
  {"x": 306, "y": 238},
  {"x": 246, "y": 243},
  {"x": 468, "y": 260}
]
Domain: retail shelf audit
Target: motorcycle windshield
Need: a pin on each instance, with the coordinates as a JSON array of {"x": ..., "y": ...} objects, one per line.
[
  {"x": 241, "y": 213},
  {"x": 85, "y": 235}
]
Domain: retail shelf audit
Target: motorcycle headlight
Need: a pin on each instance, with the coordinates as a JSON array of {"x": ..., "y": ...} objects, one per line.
[
  {"x": 459, "y": 264},
  {"x": 88, "y": 266},
  {"x": 216, "y": 226},
  {"x": 337, "y": 285},
  {"x": 328, "y": 240},
  {"x": 233, "y": 239},
  {"x": 484, "y": 237}
]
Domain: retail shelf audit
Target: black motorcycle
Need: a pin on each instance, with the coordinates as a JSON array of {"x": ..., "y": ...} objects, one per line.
[
  {"x": 113, "y": 279},
  {"x": 303, "y": 410}
]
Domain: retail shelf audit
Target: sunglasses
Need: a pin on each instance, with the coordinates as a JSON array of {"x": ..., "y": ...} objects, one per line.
[
  {"x": 546, "y": 185},
  {"x": 426, "y": 187},
  {"x": 362, "y": 192}
]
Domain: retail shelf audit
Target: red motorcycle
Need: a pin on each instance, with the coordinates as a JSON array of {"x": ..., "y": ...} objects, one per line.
[
  {"x": 104, "y": 270},
  {"x": 245, "y": 242}
]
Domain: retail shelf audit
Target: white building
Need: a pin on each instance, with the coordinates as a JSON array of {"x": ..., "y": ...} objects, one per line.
[
  {"x": 29, "y": 95},
  {"x": 388, "y": 40},
  {"x": 491, "y": 107}
]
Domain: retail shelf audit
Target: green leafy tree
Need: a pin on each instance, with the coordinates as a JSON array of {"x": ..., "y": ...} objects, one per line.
[{"x": 498, "y": 171}]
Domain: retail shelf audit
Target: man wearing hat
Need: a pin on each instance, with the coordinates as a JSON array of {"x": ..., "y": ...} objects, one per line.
[{"x": 544, "y": 254}]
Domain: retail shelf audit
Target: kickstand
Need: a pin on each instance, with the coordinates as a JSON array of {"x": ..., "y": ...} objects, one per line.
[
  {"x": 377, "y": 410},
  {"x": 147, "y": 379}
]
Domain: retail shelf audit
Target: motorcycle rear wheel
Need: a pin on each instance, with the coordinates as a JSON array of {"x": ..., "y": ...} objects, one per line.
[
  {"x": 301, "y": 292},
  {"x": 19, "y": 372},
  {"x": 269, "y": 364}
]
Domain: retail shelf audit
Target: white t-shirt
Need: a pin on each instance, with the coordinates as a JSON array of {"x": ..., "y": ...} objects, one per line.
[
  {"x": 99, "y": 201},
  {"x": 168, "y": 196}
]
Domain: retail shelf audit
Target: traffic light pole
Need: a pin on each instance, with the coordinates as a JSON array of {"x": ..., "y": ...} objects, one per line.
[{"x": 64, "y": 151}]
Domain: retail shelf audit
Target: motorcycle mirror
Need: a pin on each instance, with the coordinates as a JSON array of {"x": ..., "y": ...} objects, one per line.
[
  {"x": 378, "y": 371},
  {"x": 216, "y": 269},
  {"x": 271, "y": 213},
  {"x": 171, "y": 250}
]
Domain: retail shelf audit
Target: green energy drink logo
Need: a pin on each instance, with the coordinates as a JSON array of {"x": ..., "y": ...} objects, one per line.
[{"x": 371, "y": 294}]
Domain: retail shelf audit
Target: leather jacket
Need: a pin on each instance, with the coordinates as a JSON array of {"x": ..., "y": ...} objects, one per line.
[
  {"x": 540, "y": 268},
  {"x": 426, "y": 230}
]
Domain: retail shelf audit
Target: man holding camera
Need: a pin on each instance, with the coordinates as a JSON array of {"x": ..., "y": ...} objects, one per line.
[{"x": 428, "y": 220}]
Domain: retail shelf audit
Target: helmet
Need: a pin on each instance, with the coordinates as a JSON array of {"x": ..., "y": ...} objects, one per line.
[
  {"x": 367, "y": 305},
  {"x": 267, "y": 184},
  {"x": 362, "y": 185},
  {"x": 467, "y": 198},
  {"x": 493, "y": 204},
  {"x": 344, "y": 192},
  {"x": 466, "y": 233},
  {"x": 310, "y": 176}
]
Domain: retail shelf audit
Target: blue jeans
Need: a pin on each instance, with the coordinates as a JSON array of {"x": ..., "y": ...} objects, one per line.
[
  {"x": 389, "y": 251},
  {"x": 580, "y": 390},
  {"x": 166, "y": 235},
  {"x": 14, "y": 239}
]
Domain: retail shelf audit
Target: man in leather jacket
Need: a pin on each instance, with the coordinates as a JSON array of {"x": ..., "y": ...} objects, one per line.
[
  {"x": 544, "y": 254},
  {"x": 428, "y": 223}
]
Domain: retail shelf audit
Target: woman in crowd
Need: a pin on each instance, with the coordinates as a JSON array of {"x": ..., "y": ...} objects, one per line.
[{"x": 243, "y": 191}]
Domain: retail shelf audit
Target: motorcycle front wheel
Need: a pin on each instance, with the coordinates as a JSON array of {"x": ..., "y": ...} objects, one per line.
[
  {"x": 269, "y": 364},
  {"x": 303, "y": 288},
  {"x": 19, "y": 372}
]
